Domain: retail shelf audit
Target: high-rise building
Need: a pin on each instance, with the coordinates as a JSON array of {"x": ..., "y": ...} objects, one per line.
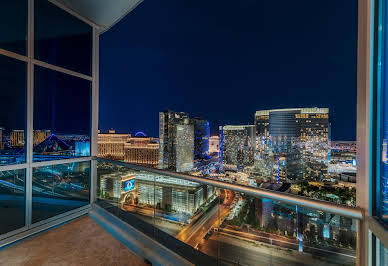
[
  {"x": 292, "y": 141},
  {"x": 201, "y": 138},
  {"x": 40, "y": 135},
  {"x": 111, "y": 145},
  {"x": 238, "y": 145},
  {"x": 17, "y": 138},
  {"x": 142, "y": 150},
  {"x": 184, "y": 146},
  {"x": 182, "y": 139},
  {"x": 214, "y": 144}
]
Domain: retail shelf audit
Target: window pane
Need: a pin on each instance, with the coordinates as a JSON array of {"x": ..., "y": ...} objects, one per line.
[
  {"x": 59, "y": 188},
  {"x": 61, "y": 115},
  {"x": 61, "y": 39},
  {"x": 12, "y": 201},
  {"x": 382, "y": 204},
  {"x": 13, "y": 26},
  {"x": 383, "y": 255},
  {"x": 12, "y": 110}
]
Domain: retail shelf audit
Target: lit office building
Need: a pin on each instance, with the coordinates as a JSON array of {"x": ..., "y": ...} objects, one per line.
[
  {"x": 292, "y": 141},
  {"x": 142, "y": 150},
  {"x": 214, "y": 144},
  {"x": 181, "y": 140},
  {"x": 111, "y": 145},
  {"x": 238, "y": 145}
]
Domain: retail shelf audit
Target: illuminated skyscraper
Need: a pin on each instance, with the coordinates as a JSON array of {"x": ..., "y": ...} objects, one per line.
[
  {"x": 294, "y": 141},
  {"x": 184, "y": 146},
  {"x": 181, "y": 140},
  {"x": 201, "y": 138},
  {"x": 238, "y": 145}
]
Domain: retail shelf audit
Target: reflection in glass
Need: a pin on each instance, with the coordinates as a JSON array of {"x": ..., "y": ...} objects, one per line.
[
  {"x": 267, "y": 232},
  {"x": 59, "y": 188},
  {"x": 382, "y": 204},
  {"x": 383, "y": 255},
  {"x": 13, "y": 26},
  {"x": 12, "y": 200},
  {"x": 61, "y": 115},
  {"x": 61, "y": 39},
  {"x": 13, "y": 81}
]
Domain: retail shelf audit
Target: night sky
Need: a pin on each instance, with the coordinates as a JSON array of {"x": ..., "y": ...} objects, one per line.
[{"x": 224, "y": 59}]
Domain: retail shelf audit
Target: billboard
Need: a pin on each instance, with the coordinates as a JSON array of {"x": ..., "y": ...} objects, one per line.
[{"x": 129, "y": 185}]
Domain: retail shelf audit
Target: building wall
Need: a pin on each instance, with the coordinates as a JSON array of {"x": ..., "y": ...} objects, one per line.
[
  {"x": 17, "y": 138},
  {"x": 184, "y": 148},
  {"x": 144, "y": 151},
  {"x": 111, "y": 145},
  {"x": 297, "y": 137},
  {"x": 178, "y": 132},
  {"x": 238, "y": 145}
]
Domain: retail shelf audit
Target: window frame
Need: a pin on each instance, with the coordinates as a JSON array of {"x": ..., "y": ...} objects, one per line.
[{"x": 29, "y": 228}]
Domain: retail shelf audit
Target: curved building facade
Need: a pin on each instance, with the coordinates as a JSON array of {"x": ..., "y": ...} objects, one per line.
[{"x": 292, "y": 143}]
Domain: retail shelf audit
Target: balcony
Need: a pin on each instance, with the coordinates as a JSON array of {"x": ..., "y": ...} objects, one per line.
[{"x": 209, "y": 222}]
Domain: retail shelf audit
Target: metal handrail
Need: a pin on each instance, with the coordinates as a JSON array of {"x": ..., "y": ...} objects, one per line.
[{"x": 325, "y": 206}]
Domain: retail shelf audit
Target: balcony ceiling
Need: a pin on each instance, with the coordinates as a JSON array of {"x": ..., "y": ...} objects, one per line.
[{"x": 103, "y": 13}]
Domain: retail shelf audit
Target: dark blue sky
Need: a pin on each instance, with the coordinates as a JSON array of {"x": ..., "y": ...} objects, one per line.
[{"x": 225, "y": 59}]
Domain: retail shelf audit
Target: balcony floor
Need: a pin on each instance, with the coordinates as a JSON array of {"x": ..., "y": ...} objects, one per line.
[{"x": 80, "y": 242}]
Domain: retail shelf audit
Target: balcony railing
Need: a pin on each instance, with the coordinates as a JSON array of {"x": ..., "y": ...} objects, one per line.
[{"x": 207, "y": 221}]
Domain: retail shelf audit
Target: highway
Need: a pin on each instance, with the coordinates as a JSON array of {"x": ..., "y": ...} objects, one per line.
[
  {"x": 284, "y": 242},
  {"x": 238, "y": 251},
  {"x": 193, "y": 233}
]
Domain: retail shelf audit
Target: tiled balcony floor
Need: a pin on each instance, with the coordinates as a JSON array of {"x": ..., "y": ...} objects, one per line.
[{"x": 80, "y": 242}]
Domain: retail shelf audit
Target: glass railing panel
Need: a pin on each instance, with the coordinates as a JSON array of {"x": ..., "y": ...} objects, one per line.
[
  {"x": 120, "y": 192},
  {"x": 265, "y": 232},
  {"x": 162, "y": 207},
  {"x": 205, "y": 223}
]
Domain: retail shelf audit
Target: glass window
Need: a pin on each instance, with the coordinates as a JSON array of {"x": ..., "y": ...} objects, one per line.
[
  {"x": 12, "y": 200},
  {"x": 383, "y": 255},
  {"x": 12, "y": 110},
  {"x": 62, "y": 105},
  {"x": 61, "y": 39},
  {"x": 382, "y": 78},
  {"x": 59, "y": 188},
  {"x": 13, "y": 26}
]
